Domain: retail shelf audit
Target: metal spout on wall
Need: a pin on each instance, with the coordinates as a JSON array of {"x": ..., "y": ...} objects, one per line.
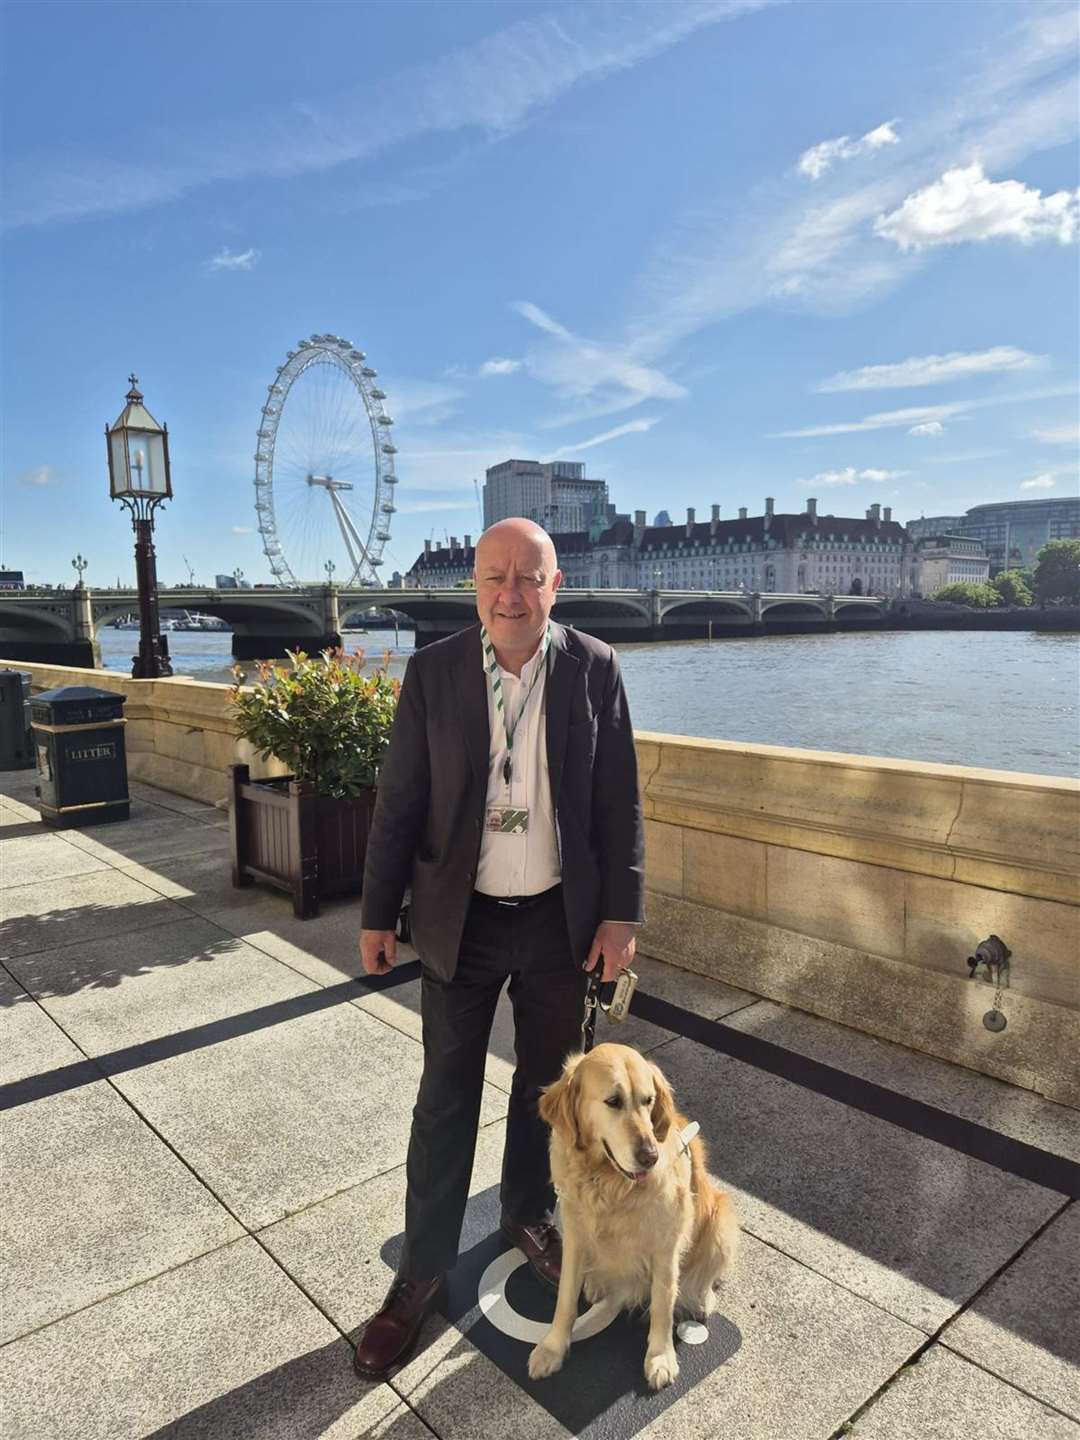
[{"x": 994, "y": 954}]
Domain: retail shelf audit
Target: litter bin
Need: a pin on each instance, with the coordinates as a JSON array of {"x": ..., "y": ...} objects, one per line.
[
  {"x": 81, "y": 762},
  {"x": 16, "y": 747}
]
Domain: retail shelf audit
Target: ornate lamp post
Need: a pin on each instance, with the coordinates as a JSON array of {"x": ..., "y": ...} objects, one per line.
[
  {"x": 329, "y": 567},
  {"x": 139, "y": 478},
  {"x": 80, "y": 563}
]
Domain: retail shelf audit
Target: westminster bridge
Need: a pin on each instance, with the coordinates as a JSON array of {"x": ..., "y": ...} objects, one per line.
[{"x": 61, "y": 625}]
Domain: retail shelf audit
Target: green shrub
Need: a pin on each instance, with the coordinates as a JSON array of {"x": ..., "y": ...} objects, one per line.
[
  {"x": 1057, "y": 572},
  {"x": 323, "y": 717},
  {"x": 1012, "y": 588},
  {"x": 980, "y": 597}
]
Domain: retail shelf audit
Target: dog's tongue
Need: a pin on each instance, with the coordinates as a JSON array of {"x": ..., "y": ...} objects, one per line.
[{"x": 639, "y": 1175}]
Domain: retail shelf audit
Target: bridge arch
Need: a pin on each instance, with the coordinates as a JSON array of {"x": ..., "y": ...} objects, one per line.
[{"x": 706, "y": 607}]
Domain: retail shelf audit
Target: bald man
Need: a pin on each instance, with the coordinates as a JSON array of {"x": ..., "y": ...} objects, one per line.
[{"x": 509, "y": 801}]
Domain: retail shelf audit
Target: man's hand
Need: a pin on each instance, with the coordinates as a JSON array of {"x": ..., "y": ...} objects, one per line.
[
  {"x": 378, "y": 951},
  {"x": 616, "y": 942}
]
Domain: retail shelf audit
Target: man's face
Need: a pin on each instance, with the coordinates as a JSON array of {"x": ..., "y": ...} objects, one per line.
[{"x": 516, "y": 582}]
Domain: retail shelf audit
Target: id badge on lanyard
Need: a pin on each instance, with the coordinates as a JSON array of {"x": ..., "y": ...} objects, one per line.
[{"x": 509, "y": 819}]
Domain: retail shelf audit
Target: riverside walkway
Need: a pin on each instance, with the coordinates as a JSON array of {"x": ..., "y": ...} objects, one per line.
[{"x": 206, "y": 1117}]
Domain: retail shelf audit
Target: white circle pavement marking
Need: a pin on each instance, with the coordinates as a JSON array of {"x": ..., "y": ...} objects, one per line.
[
  {"x": 496, "y": 1308},
  {"x": 691, "y": 1333}
]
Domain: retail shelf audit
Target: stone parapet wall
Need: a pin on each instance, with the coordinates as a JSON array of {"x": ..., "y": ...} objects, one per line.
[
  {"x": 851, "y": 887},
  {"x": 856, "y": 888},
  {"x": 179, "y": 733}
]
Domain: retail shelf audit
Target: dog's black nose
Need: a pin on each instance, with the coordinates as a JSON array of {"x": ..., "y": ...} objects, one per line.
[{"x": 646, "y": 1155}]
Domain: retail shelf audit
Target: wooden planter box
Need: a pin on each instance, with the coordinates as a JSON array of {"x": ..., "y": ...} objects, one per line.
[{"x": 308, "y": 845}]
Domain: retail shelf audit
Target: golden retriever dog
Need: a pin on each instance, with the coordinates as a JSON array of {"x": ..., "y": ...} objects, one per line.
[{"x": 642, "y": 1222}]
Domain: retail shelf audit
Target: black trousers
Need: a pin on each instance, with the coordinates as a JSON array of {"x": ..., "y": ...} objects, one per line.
[{"x": 529, "y": 945}]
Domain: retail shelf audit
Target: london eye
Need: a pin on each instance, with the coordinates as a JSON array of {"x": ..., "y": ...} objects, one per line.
[{"x": 324, "y": 466}]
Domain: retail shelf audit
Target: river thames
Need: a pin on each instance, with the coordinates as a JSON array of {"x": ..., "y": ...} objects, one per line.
[{"x": 1003, "y": 700}]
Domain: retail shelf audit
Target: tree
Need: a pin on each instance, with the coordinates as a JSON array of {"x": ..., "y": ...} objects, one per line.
[
  {"x": 1057, "y": 573},
  {"x": 1012, "y": 587},
  {"x": 963, "y": 592}
]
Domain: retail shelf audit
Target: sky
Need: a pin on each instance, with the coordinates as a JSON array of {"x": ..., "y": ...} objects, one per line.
[{"x": 716, "y": 250}]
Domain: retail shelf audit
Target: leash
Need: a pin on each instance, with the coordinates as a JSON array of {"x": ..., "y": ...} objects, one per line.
[{"x": 611, "y": 996}]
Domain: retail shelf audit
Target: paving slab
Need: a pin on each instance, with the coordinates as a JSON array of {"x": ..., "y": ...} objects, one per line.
[
  {"x": 341, "y": 1252},
  {"x": 149, "y": 983},
  {"x": 153, "y": 835},
  {"x": 200, "y": 881},
  {"x": 1025, "y": 1327},
  {"x": 806, "y": 1353},
  {"x": 30, "y": 1043},
  {"x": 19, "y": 785},
  {"x": 77, "y": 908},
  {"x": 324, "y": 948},
  {"x": 180, "y": 804},
  {"x": 876, "y": 1208},
  {"x": 33, "y": 859},
  {"x": 14, "y": 813},
  {"x": 946, "y": 1398},
  {"x": 278, "y": 1119},
  {"x": 1004, "y": 1108},
  {"x": 223, "y": 1348},
  {"x": 92, "y": 1202}
]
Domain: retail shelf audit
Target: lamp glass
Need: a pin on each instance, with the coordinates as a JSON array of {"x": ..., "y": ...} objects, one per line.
[{"x": 138, "y": 463}]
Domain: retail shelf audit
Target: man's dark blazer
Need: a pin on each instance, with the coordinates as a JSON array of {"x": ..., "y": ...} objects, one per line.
[{"x": 432, "y": 793}]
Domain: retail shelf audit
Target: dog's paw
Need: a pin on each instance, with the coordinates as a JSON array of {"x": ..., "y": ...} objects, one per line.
[
  {"x": 544, "y": 1360},
  {"x": 661, "y": 1369}
]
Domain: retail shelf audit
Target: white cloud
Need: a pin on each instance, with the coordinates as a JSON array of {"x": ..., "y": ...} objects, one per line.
[
  {"x": 922, "y": 417},
  {"x": 420, "y": 402},
  {"x": 432, "y": 507},
  {"x": 1038, "y": 482},
  {"x": 883, "y": 420},
  {"x": 819, "y": 158},
  {"x": 541, "y": 319},
  {"x": 965, "y": 206},
  {"x": 241, "y": 529},
  {"x": 932, "y": 369},
  {"x": 493, "y": 86},
  {"x": 499, "y": 367},
  {"x": 39, "y": 475},
  {"x": 226, "y": 259},
  {"x": 1058, "y": 435},
  {"x": 599, "y": 377},
  {"x": 964, "y": 457},
  {"x": 632, "y": 427},
  {"x": 787, "y": 246},
  {"x": 851, "y": 476}
]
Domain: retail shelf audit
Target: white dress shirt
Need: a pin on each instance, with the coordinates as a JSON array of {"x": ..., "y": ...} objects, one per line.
[{"x": 520, "y": 864}]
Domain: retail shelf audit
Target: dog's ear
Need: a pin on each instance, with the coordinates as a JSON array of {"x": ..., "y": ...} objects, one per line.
[
  {"x": 663, "y": 1109},
  {"x": 559, "y": 1104}
]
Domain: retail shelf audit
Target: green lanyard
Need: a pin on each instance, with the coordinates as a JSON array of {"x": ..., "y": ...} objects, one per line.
[{"x": 491, "y": 665}]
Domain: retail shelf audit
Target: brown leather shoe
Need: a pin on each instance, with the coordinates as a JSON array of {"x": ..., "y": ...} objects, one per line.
[
  {"x": 541, "y": 1244},
  {"x": 391, "y": 1333}
]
